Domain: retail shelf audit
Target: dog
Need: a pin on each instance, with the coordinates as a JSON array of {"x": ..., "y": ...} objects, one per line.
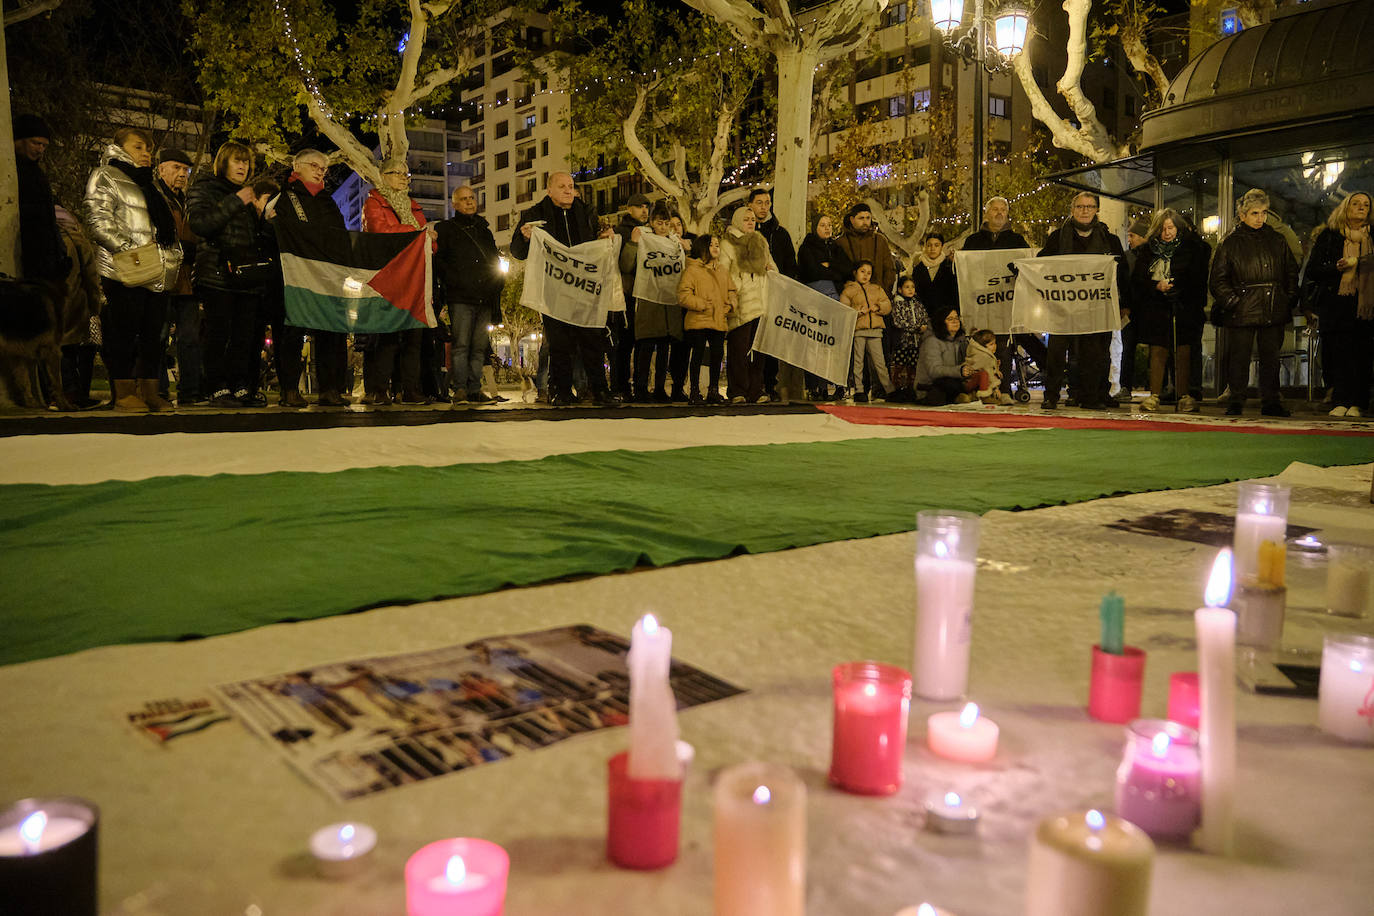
[{"x": 30, "y": 332}]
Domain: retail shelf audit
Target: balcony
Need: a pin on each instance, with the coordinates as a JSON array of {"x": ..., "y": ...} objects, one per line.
[
  {"x": 524, "y": 133},
  {"x": 524, "y": 197},
  {"x": 524, "y": 100},
  {"x": 524, "y": 165},
  {"x": 476, "y": 149}
]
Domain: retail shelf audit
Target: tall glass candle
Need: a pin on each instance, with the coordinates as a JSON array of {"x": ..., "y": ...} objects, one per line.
[
  {"x": 946, "y": 561},
  {"x": 760, "y": 841},
  {"x": 1159, "y": 782},
  {"x": 1216, "y": 651},
  {"x": 457, "y": 877},
  {"x": 48, "y": 852},
  {"x": 1349, "y": 580},
  {"x": 1261, "y": 515},
  {"x": 1086, "y": 863},
  {"x": 1345, "y": 696},
  {"x": 871, "y": 702}
]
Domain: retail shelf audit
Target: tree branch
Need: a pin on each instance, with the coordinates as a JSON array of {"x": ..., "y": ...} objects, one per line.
[
  {"x": 630, "y": 129},
  {"x": 1070, "y": 85},
  {"x": 29, "y": 10},
  {"x": 739, "y": 16},
  {"x": 1063, "y": 135},
  {"x": 846, "y": 25},
  {"x": 1135, "y": 18}
]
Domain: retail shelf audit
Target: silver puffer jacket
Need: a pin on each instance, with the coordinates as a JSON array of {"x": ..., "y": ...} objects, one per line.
[{"x": 117, "y": 216}]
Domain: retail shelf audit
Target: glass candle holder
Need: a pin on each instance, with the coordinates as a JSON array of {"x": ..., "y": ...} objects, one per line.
[
  {"x": 871, "y": 705},
  {"x": 1349, "y": 579},
  {"x": 760, "y": 841},
  {"x": 1159, "y": 782},
  {"x": 1345, "y": 696},
  {"x": 1261, "y": 515},
  {"x": 1184, "y": 698},
  {"x": 1089, "y": 864},
  {"x": 946, "y": 562},
  {"x": 1260, "y": 609},
  {"x": 48, "y": 850},
  {"x": 461, "y": 875}
]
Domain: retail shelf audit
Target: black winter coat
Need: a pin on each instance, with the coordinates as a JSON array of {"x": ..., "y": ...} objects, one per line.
[
  {"x": 985, "y": 240},
  {"x": 1100, "y": 242},
  {"x": 1321, "y": 277},
  {"x": 780, "y": 246},
  {"x": 940, "y": 294},
  {"x": 467, "y": 261},
  {"x": 572, "y": 226},
  {"x": 814, "y": 253},
  {"x": 1181, "y": 311},
  {"x": 1254, "y": 279},
  {"x": 228, "y": 229},
  {"x": 297, "y": 204}
]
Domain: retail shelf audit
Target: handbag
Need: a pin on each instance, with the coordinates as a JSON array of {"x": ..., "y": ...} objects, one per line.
[{"x": 138, "y": 266}]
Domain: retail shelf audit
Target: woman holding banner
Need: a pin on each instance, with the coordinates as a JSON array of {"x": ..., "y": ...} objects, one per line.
[
  {"x": 708, "y": 295},
  {"x": 745, "y": 255},
  {"x": 1169, "y": 295},
  {"x": 657, "y": 325}
]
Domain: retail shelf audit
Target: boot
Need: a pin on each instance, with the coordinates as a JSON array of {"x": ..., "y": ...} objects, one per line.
[
  {"x": 147, "y": 387},
  {"x": 126, "y": 397}
]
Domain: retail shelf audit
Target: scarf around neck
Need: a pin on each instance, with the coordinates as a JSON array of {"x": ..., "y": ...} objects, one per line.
[
  {"x": 932, "y": 266},
  {"x": 1357, "y": 245},
  {"x": 164, "y": 226}
]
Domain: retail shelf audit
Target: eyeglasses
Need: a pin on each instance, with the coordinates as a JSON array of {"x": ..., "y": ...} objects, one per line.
[{"x": 402, "y": 174}]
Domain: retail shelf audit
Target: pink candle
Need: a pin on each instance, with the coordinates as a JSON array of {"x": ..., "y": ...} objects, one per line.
[
  {"x": 964, "y": 736},
  {"x": 1159, "y": 782},
  {"x": 459, "y": 877},
  {"x": 871, "y": 705},
  {"x": 1183, "y": 698}
]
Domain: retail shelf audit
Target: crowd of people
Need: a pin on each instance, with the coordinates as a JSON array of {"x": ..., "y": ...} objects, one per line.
[{"x": 155, "y": 253}]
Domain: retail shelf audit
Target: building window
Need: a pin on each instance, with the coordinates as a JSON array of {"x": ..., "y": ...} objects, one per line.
[
  {"x": 503, "y": 192},
  {"x": 503, "y": 97},
  {"x": 544, "y": 115},
  {"x": 1130, "y": 106},
  {"x": 1109, "y": 99},
  {"x": 503, "y": 160},
  {"x": 503, "y": 222},
  {"x": 920, "y": 55},
  {"x": 896, "y": 106},
  {"x": 531, "y": 186},
  {"x": 920, "y": 100},
  {"x": 502, "y": 129},
  {"x": 999, "y": 106},
  {"x": 894, "y": 15},
  {"x": 530, "y": 121},
  {"x": 1230, "y": 22},
  {"x": 896, "y": 63},
  {"x": 544, "y": 148}
]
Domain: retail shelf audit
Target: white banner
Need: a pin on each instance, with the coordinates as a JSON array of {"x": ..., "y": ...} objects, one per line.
[
  {"x": 658, "y": 268},
  {"x": 1067, "y": 294},
  {"x": 806, "y": 328},
  {"x": 987, "y": 286},
  {"x": 576, "y": 285}
]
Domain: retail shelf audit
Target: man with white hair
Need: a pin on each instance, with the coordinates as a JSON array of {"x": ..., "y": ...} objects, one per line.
[{"x": 570, "y": 221}]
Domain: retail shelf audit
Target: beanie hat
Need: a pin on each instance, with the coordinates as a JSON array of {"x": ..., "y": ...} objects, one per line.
[{"x": 27, "y": 125}]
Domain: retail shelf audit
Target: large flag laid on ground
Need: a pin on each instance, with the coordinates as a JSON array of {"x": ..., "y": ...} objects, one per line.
[
  {"x": 359, "y": 282},
  {"x": 987, "y": 286},
  {"x": 1067, "y": 294},
  {"x": 576, "y": 285},
  {"x": 806, "y": 328},
  {"x": 658, "y": 268}
]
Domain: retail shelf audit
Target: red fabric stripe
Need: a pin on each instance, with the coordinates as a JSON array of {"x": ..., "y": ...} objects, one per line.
[
  {"x": 887, "y": 416},
  {"x": 402, "y": 281}
]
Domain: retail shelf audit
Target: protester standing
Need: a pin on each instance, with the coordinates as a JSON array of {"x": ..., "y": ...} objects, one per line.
[
  {"x": 657, "y": 325},
  {"x": 708, "y": 294},
  {"x": 80, "y": 314},
  {"x": 1169, "y": 292},
  {"x": 1340, "y": 271},
  {"x": 173, "y": 176},
  {"x": 470, "y": 272},
  {"x": 936, "y": 285},
  {"x": 994, "y": 235},
  {"x": 866, "y": 298},
  {"x": 625, "y": 349},
  {"x": 746, "y": 256}
]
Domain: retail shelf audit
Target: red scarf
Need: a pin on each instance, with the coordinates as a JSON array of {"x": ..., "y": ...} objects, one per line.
[{"x": 314, "y": 187}]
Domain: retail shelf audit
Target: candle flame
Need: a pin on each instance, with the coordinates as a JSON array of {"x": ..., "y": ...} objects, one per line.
[
  {"x": 456, "y": 871},
  {"x": 940, "y": 549},
  {"x": 31, "y": 830},
  {"x": 1262, "y": 507},
  {"x": 1356, "y": 666},
  {"x": 650, "y": 624},
  {"x": 953, "y": 800},
  {"x": 1218, "y": 591},
  {"x": 762, "y": 795},
  {"x": 1095, "y": 820},
  {"x": 969, "y": 715},
  {"x": 1159, "y": 745},
  {"x": 925, "y": 909},
  {"x": 346, "y": 832}
]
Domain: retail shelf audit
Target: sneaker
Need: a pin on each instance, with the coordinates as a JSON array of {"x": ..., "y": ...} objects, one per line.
[
  {"x": 762, "y": 399},
  {"x": 562, "y": 400},
  {"x": 1187, "y": 404},
  {"x": 1150, "y": 404},
  {"x": 1338, "y": 412},
  {"x": 737, "y": 399},
  {"x": 1278, "y": 410},
  {"x": 1234, "y": 408},
  {"x": 860, "y": 397},
  {"x": 225, "y": 398},
  {"x": 1049, "y": 404},
  {"x": 715, "y": 398},
  {"x": 480, "y": 397},
  {"x": 1354, "y": 412}
]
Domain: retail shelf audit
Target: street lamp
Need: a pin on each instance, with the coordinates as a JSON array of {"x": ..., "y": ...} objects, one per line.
[{"x": 1007, "y": 40}]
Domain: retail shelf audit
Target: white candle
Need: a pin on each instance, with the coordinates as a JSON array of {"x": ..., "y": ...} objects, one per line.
[
  {"x": 40, "y": 832},
  {"x": 1345, "y": 703},
  {"x": 653, "y": 710},
  {"x": 1348, "y": 580},
  {"x": 1216, "y": 644},
  {"x": 946, "y": 558},
  {"x": 1088, "y": 864},
  {"x": 341, "y": 849},
  {"x": 1261, "y": 515},
  {"x": 760, "y": 841},
  {"x": 964, "y": 736}
]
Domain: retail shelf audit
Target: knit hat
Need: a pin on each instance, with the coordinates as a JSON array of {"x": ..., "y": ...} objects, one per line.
[
  {"x": 27, "y": 125},
  {"x": 637, "y": 200},
  {"x": 1140, "y": 228},
  {"x": 172, "y": 154},
  {"x": 857, "y": 209}
]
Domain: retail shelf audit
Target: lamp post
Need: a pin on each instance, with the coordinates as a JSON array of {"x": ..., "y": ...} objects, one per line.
[{"x": 1009, "y": 38}]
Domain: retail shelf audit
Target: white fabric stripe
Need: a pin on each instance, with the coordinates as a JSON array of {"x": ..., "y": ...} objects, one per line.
[
  {"x": 93, "y": 457},
  {"x": 328, "y": 278}
]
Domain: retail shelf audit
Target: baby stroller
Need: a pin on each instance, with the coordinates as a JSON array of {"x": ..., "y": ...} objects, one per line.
[{"x": 1024, "y": 371}]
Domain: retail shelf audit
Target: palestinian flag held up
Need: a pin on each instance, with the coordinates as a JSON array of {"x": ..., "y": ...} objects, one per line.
[{"x": 356, "y": 282}]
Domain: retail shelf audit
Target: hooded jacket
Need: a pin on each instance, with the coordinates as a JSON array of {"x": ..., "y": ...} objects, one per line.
[
  {"x": 1254, "y": 279},
  {"x": 118, "y": 218},
  {"x": 860, "y": 297},
  {"x": 747, "y": 258},
  {"x": 707, "y": 294}
]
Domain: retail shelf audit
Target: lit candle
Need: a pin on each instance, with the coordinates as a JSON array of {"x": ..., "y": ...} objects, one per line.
[
  {"x": 1348, "y": 580},
  {"x": 946, "y": 562},
  {"x": 653, "y": 710},
  {"x": 1216, "y": 644},
  {"x": 964, "y": 736},
  {"x": 924, "y": 909},
  {"x": 1345, "y": 696},
  {"x": 1261, "y": 515},
  {"x": 458, "y": 877},
  {"x": 1158, "y": 785},
  {"x": 1088, "y": 864},
  {"x": 342, "y": 849},
  {"x": 48, "y": 852},
  {"x": 950, "y": 812},
  {"x": 871, "y": 702},
  {"x": 760, "y": 841}
]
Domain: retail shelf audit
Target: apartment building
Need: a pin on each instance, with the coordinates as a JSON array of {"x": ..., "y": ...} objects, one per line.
[{"x": 437, "y": 167}]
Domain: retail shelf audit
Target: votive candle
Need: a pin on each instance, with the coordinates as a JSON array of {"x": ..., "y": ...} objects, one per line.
[
  {"x": 946, "y": 564},
  {"x": 1261, "y": 515},
  {"x": 871, "y": 703},
  {"x": 1086, "y": 863},
  {"x": 1345, "y": 695},
  {"x": 760, "y": 841},
  {"x": 966, "y": 736},
  {"x": 457, "y": 877},
  {"x": 48, "y": 852},
  {"x": 1159, "y": 782}
]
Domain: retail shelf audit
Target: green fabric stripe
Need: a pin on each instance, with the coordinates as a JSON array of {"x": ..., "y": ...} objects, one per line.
[
  {"x": 170, "y": 557},
  {"x": 306, "y": 308}
]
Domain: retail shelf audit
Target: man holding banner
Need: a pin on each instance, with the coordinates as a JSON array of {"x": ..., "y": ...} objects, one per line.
[
  {"x": 994, "y": 283},
  {"x": 573, "y": 280},
  {"x": 1077, "y": 301}
]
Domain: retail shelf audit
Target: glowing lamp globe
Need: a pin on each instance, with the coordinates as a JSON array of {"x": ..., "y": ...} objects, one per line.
[
  {"x": 947, "y": 14},
  {"x": 1011, "y": 32}
]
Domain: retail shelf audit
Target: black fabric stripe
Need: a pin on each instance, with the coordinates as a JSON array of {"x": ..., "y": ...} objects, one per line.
[{"x": 368, "y": 250}]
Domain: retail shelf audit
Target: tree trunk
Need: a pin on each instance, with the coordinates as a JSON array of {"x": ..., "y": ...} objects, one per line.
[
  {"x": 796, "y": 69},
  {"x": 9, "y": 175}
]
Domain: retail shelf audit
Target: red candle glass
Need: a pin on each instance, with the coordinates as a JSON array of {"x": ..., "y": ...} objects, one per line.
[
  {"x": 642, "y": 818},
  {"x": 871, "y": 705},
  {"x": 1183, "y": 698}
]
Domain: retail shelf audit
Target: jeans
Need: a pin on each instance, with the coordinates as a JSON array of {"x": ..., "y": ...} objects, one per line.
[
  {"x": 708, "y": 345},
  {"x": 468, "y": 322},
  {"x": 873, "y": 348}
]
